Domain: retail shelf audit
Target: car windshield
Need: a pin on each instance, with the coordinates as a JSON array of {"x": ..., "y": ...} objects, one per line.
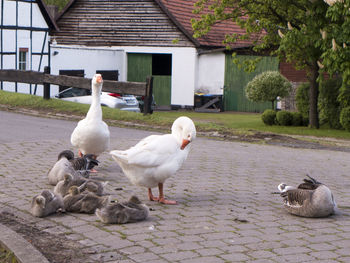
[{"x": 75, "y": 92}]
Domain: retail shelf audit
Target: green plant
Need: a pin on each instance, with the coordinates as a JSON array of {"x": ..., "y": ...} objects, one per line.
[
  {"x": 269, "y": 117},
  {"x": 284, "y": 118},
  {"x": 267, "y": 86},
  {"x": 302, "y": 99},
  {"x": 344, "y": 96},
  {"x": 314, "y": 45},
  {"x": 305, "y": 121},
  {"x": 345, "y": 118},
  {"x": 329, "y": 106},
  {"x": 297, "y": 119}
]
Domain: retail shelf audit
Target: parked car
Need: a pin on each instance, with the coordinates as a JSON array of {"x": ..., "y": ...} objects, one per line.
[{"x": 112, "y": 100}]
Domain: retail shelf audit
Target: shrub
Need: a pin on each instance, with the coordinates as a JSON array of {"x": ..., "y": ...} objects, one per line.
[
  {"x": 297, "y": 119},
  {"x": 269, "y": 117},
  {"x": 284, "y": 118},
  {"x": 328, "y": 104},
  {"x": 345, "y": 118},
  {"x": 267, "y": 86},
  {"x": 344, "y": 96},
  {"x": 302, "y": 99},
  {"x": 305, "y": 121}
]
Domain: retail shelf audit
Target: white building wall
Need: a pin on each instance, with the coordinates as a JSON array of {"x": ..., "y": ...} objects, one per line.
[
  {"x": 83, "y": 58},
  {"x": 24, "y": 40},
  {"x": 211, "y": 73},
  {"x": 184, "y": 67}
]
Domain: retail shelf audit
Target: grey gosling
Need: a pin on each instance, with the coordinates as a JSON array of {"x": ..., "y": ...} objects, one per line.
[
  {"x": 122, "y": 213},
  {"x": 46, "y": 204},
  {"x": 85, "y": 202},
  {"x": 62, "y": 187},
  {"x": 63, "y": 166},
  {"x": 309, "y": 199},
  {"x": 69, "y": 180}
]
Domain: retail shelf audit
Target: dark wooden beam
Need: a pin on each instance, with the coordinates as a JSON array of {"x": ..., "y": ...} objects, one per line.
[
  {"x": 147, "y": 107},
  {"x": 33, "y": 77}
]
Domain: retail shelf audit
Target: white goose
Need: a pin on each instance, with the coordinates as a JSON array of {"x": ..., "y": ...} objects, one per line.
[
  {"x": 91, "y": 136},
  {"x": 157, "y": 157},
  {"x": 310, "y": 199}
]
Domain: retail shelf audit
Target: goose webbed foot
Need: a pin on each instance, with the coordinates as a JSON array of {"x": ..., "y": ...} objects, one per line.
[{"x": 161, "y": 198}]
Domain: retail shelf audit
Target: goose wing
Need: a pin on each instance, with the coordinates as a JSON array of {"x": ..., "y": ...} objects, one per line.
[
  {"x": 152, "y": 151},
  {"x": 296, "y": 197}
]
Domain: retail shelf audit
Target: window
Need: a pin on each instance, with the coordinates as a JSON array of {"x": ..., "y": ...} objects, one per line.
[
  {"x": 161, "y": 64},
  {"x": 108, "y": 74},
  {"x": 22, "y": 61}
]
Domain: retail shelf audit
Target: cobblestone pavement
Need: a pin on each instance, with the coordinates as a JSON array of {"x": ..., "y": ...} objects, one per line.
[{"x": 226, "y": 210}]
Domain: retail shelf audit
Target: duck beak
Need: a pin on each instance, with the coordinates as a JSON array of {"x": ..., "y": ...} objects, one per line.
[
  {"x": 184, "y": 143},
  {"x": 99, "y": 79}
]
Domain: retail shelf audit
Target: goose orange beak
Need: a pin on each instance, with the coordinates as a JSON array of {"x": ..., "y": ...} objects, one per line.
[
  {"x": 184, "y": 143},
  {"x": 99, "y": 79}
]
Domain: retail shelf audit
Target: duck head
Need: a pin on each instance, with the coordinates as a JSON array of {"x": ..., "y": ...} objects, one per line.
[
  {"x": 68, "y": 154},
  {"x": 97, "y": 82},
  {"x": 184, "y": 130}
]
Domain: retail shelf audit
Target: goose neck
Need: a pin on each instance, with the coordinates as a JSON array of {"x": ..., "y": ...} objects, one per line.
[{"x": 95, "y": 110}]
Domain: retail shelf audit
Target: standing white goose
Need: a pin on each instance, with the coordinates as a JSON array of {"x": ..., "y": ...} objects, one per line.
[
  {"x": 91, "y": 136},
  {"x": 157, "y": 157},
  {"x": 310, "y": 199}
]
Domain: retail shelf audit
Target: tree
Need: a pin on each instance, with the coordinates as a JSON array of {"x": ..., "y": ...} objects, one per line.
[
  {"x": 267, "y": 86},
  {"x": 336, "y": 39},
  {"x": 289, "y": 28}
]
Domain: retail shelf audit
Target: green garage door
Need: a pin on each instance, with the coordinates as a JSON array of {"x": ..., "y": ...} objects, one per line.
[
  {"x": 236, "y": 79},
  {"x": 141, "y": 65}
]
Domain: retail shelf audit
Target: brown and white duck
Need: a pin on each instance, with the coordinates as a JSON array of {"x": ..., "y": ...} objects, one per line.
[{"x": 309, "y": 199}]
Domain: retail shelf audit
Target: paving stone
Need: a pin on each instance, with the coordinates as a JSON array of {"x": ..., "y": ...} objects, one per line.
[
  {"x": 225, "y": 211},
  {"x": 144, "y": 257},
  {"x": 236, "y": 257},
  {"x": 324, "y": 255},
  {"x": 262, "y": 254},
  {"x": 172, "y": 257},
  {"x": 291, "y": 250},
  {"x": 204, "y": 260}
]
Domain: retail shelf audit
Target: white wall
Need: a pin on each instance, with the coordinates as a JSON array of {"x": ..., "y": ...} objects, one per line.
[
  {"x": 87, "y": 59},
  {"x": 184, "y": 67},
  {"x": 211, "y": 73},
  {"x": 24, "y": 41}
]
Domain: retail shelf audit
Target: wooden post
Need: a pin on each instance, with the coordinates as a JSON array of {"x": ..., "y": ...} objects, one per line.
[
  {"x": 46, "y": 85},
  {"x": 147, "y": 107}
]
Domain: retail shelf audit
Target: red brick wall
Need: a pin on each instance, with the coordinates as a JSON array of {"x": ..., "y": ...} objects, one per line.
[{"x": 293, "y": 75}]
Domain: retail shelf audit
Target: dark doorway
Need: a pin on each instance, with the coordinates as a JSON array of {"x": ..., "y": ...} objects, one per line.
[{"x": 161, "y": 64}]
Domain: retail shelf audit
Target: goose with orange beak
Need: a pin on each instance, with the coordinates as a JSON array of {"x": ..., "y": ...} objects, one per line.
[
  {"x": 91, "y": 136},
  {"x": 157, "y": 157}
]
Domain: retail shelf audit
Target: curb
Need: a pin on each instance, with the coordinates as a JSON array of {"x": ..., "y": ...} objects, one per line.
[{"x": 23, "y": 250}]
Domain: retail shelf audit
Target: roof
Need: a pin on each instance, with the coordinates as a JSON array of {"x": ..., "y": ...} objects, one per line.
[
  {"x": 118, "y": 23},
  {"x": 48, "y": 18},
  {"x": 180, "y": 11},
  {"x": 145, "y": 22}
]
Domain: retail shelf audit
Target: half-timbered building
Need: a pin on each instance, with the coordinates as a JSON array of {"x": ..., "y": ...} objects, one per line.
[{"x": 24, "y": 40}]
